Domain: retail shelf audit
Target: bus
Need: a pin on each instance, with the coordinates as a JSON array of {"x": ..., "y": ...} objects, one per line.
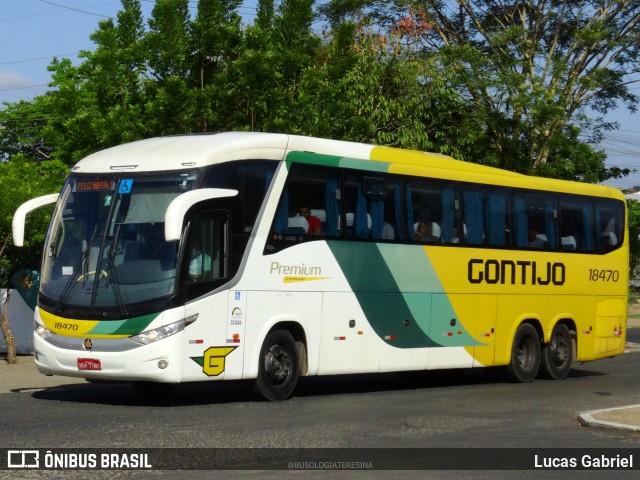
[{"x": 268, "y": 257}]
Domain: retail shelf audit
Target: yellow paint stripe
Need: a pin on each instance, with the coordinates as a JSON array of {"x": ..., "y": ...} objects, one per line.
[
  {"x": 302, "y": 279},
  {"x": 410, "y": 157},
  {"x": 72, "y": 328}
]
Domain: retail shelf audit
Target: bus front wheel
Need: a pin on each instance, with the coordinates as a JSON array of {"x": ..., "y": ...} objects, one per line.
[
  {"x": 557, "y": 354},
  {"x": 525, "y": 354},
  {"x": 278, "y": 368}
]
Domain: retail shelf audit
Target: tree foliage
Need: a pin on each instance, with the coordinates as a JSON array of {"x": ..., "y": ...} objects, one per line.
[
  {"x": 522, "y": 85},
  {"x": 527, "y": 69},
  {"x": 633, "y": 208},
  {"x": 22, "y": 179},
  {"x": 500, "y": 82}
]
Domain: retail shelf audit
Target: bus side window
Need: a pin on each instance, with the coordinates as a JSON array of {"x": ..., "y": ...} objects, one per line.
[
  {"x": 373, "y": 206},
  {"x": 574, "y": 232},
  {"x": 206, "y": 249},
  {"x": 424, "y": 211},
  {"x": 252, "y": 180},
  {"x": 534, "y": 221},
  {"x": 473, "y": 208},
  {"x": 358, "y": 218},
  {"x": 311, "y": 188},
  {"x": 609, "y": 223},
  {"x": 497, "y": 216},
  {"x": 450, "y": 229}
]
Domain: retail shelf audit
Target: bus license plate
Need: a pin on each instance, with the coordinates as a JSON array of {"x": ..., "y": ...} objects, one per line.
[{"x": 89, "y": 364}]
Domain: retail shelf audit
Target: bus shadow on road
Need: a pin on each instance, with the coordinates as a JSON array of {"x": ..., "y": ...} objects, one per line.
[
  {"x": 211, "y": 393},
  {"x": 125, "y": 394}
]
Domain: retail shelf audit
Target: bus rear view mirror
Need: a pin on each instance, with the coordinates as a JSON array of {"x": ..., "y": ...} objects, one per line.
[
  {"x": 19, "y": 218},
  {"x": 181, "y": 204}
]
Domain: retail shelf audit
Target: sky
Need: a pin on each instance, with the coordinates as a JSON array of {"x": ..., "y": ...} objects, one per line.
[{"x": 32, "y": 32}]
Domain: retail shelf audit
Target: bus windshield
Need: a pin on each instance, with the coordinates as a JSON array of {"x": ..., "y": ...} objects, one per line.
[{"x": 106, "y": 243}]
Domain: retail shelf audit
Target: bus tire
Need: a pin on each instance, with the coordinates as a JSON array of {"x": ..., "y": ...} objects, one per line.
[
  {"x": 557, "y": 355},
  {"x": 278, "y": 369},
  {"x": 525, "y": 354}
]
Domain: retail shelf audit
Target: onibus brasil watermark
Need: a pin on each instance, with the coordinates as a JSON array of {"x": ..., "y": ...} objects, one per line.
[{"x": 35, "y": 459}]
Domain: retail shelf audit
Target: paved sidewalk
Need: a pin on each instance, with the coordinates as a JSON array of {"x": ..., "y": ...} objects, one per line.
[
  {"x": 24, "y": 376},
  {"x": 623, "y": 418}
]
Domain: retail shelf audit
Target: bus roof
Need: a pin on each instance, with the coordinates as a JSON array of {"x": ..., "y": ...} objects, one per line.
[{"x": 182, "y": 152}]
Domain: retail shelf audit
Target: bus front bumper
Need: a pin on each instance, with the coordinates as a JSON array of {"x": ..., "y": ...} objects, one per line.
[{"x": 154, "y": 362}]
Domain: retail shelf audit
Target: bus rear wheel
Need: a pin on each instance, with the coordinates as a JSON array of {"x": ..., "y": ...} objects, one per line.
[
  {"x": 557, "y": 355},
  {"x": 525, "y": 354},
  {"x": 278, "y": 368}
]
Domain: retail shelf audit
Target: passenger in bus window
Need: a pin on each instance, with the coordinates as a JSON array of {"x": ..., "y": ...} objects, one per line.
[
  {"x": 422, "y": 233},
  {"x": 314, "y": 222},
  {"x": 454, "y": 236},
  {"x": 433, "y": 228},
  {"x": 427, "y": 232},
  {"x": 534, "y": 240}
]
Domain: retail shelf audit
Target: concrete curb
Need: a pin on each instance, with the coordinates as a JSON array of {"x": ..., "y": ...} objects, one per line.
[{"x": 622, "y": 418}]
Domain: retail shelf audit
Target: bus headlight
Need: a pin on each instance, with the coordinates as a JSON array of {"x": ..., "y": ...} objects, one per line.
[
  {"x": 159, "y": 333},
  {"x": 42, "y": 331}
]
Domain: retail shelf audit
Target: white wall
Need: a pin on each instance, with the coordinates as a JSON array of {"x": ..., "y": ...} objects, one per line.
[{"x": 20, "y": 321}]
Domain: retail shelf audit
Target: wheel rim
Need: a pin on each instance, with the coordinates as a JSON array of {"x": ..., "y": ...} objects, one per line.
[
  {"x": 277, "y": 364},
  {"x": 558, "y": 350},
  {"x": 525, "y": 353}
]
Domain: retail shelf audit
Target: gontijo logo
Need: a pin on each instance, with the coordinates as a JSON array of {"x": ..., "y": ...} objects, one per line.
[
  {"x": 521, "y": 272},
  {"x": 296, "y": 273}
]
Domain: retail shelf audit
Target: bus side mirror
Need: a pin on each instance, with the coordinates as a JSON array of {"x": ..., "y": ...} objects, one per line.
[
  {"x": 19, "y": 218},
  {"x": 177, "y": 209}
]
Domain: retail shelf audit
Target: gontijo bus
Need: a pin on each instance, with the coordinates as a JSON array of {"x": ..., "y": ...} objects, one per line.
[{"x": 187, "y": 258}]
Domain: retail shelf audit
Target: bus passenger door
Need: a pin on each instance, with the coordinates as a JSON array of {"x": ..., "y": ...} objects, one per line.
[{"x": 215, "y": 337}]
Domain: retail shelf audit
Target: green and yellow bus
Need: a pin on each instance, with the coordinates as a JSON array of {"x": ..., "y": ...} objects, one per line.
[{"x": 267, "y": 257}]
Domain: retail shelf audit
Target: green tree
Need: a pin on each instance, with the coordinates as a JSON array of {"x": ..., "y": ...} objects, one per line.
[
  {"x": 278, "y": 49},
  {"x": 255, "y": 66},
  {"x": 373, "y": 86},
  {"x": 528, "y": 68},
  {"x": 633, "y": 212},
  {"x": 99, "y": 103},
  {"x": 295, "y": 48},
  {"x": 21, "y": 180},
  {"x": 216, "y": 38},
  {"x": 171, "y": 101},
  {"x": 21, "y": 127},
  {"x": 116, "y": 69}
]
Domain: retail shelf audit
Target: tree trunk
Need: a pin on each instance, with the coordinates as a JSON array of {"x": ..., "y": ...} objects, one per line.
[{"x": 6, "y": 329}]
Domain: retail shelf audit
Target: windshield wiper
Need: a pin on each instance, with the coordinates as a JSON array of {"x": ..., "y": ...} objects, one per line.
[
  {"x": 66, "y": 291},
  {"x": 114, "y": 275},
  {"x": 81, "y": 264}
]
